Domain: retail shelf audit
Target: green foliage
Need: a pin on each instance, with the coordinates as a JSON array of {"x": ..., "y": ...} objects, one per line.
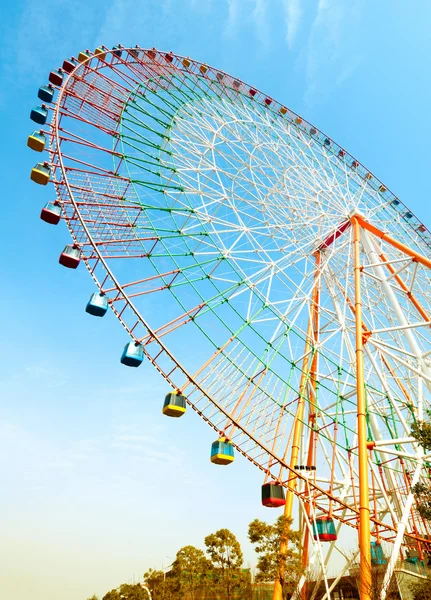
[
  {"x": 422, "y": 493},
  {"x": 160, "y": 586},
  {"x": 421, "y": 590},
  {"x": 225, "y": 554},
  {"x": 224, "y": 549},
  {"x": 421, "y": 431},
  {"x": 190, "y": 570},
  {"x": 267, "y": 539},
  {"x": 127, "y": 591}
]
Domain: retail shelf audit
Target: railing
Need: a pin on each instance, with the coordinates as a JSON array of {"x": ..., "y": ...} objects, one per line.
[{"x": 416, "y": 568}]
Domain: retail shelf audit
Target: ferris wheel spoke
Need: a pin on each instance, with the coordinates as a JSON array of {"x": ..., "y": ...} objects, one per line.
[{"x": 240, "y": 213}]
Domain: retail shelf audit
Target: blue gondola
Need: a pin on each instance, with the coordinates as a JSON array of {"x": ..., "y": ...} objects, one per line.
[
  {"x": 324, "y": 529},
  {"x": 174, "y": 405},
  {"x": 97, "y": 305},
  {"x": 377, "y": 556},
  {"x": 117, "y": 50},
  {"x": 70, "y": 257},
  {"x": 39, "y": 114},
  {"x": 36, "y": 141},
  {"x": 133, "y": 355},
  {"x": 222, "y": 452},
  {"x": 46, "y": 93},
  {"x": 51, "y": 213}
]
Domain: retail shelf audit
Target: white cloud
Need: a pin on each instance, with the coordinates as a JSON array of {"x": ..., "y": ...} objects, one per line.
[
  {"x": 230, "y": 25},
  {"x": 329, "y": 47},
  {"x": 260, "y": 18},
  {"x": 292, "y": 18}
]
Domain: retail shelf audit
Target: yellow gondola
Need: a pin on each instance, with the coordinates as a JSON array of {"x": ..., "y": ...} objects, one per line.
[
  {"x": 36, "y": 141},
  {"x": 40, "y": 173},
  {"x": 174, "y": 405}
]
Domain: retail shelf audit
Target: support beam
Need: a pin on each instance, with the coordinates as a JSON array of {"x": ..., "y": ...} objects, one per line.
[
  {"x": 364, "y": 506},
  {"x": 426, "y": 262},
  {"x": 297, "y": 433}
]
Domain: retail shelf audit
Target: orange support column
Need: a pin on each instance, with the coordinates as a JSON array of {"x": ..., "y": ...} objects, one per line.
[
  {"x": 312, "y": 410},
  {"x": 364, "y": 503},
  {"x": 297, "y": 432}
]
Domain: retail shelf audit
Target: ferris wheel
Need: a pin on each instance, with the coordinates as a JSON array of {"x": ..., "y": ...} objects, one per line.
[{"x": 277, "y": 285}]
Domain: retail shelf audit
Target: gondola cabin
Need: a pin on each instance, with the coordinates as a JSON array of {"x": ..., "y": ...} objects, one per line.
[
  {"x": 69, "y": 65},
  {"x": 133, "y": 355},
  {"x": 46, "y": 93},
  {"x": 82, "y": 56},
  {"x": 273, "y": 495},
  {"x": 40, "y": 173},
  {"x": 100, "y": 52},
  {"x": 169, "y": 57},
  {"x": 39, "y": 114},
  {"x": 56, "y": 77},
  {"x": 117, "y": 51},
  {"x": 174, "y": 405},
  {"x": 51, "y": 213},
  {"x": 36, "y": 141},
  {"x": 70, "y": 257},
  {"x": 97, "y": 305},
  {"x": 222, "y": 452},
  {"x": 377, "y": 556},
  {"x": 324, "y": 529}
]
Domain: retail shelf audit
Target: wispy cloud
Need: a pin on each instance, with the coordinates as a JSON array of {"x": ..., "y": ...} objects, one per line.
[
  {"x": 292, "y": 18},
  {"x": 232, "y": 20},
  {"x": 330, "y": 45},
  {"x": 260, "y": 18}
]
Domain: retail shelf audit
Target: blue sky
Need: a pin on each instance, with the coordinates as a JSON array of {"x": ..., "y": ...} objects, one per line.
[{"x": 97, "y": 485}]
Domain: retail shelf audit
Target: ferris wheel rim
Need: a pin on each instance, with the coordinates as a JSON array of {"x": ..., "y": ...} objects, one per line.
[{"x": 131, "y": 305}]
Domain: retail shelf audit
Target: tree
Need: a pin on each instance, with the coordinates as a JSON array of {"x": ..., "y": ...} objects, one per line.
[
  {"x": 160, "y": 586},
  {"x": 421, "y": 590},
  {"x": 225, "y": 554},
  {"x": 422, "y": 493},
  {"x": 191, "y": 569},
  {"x": 93, "y": 597},
  {"x": 421, "y": 431},
  {"x": 266, "y": 539},
  {"x": 127, "y": 591}
]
